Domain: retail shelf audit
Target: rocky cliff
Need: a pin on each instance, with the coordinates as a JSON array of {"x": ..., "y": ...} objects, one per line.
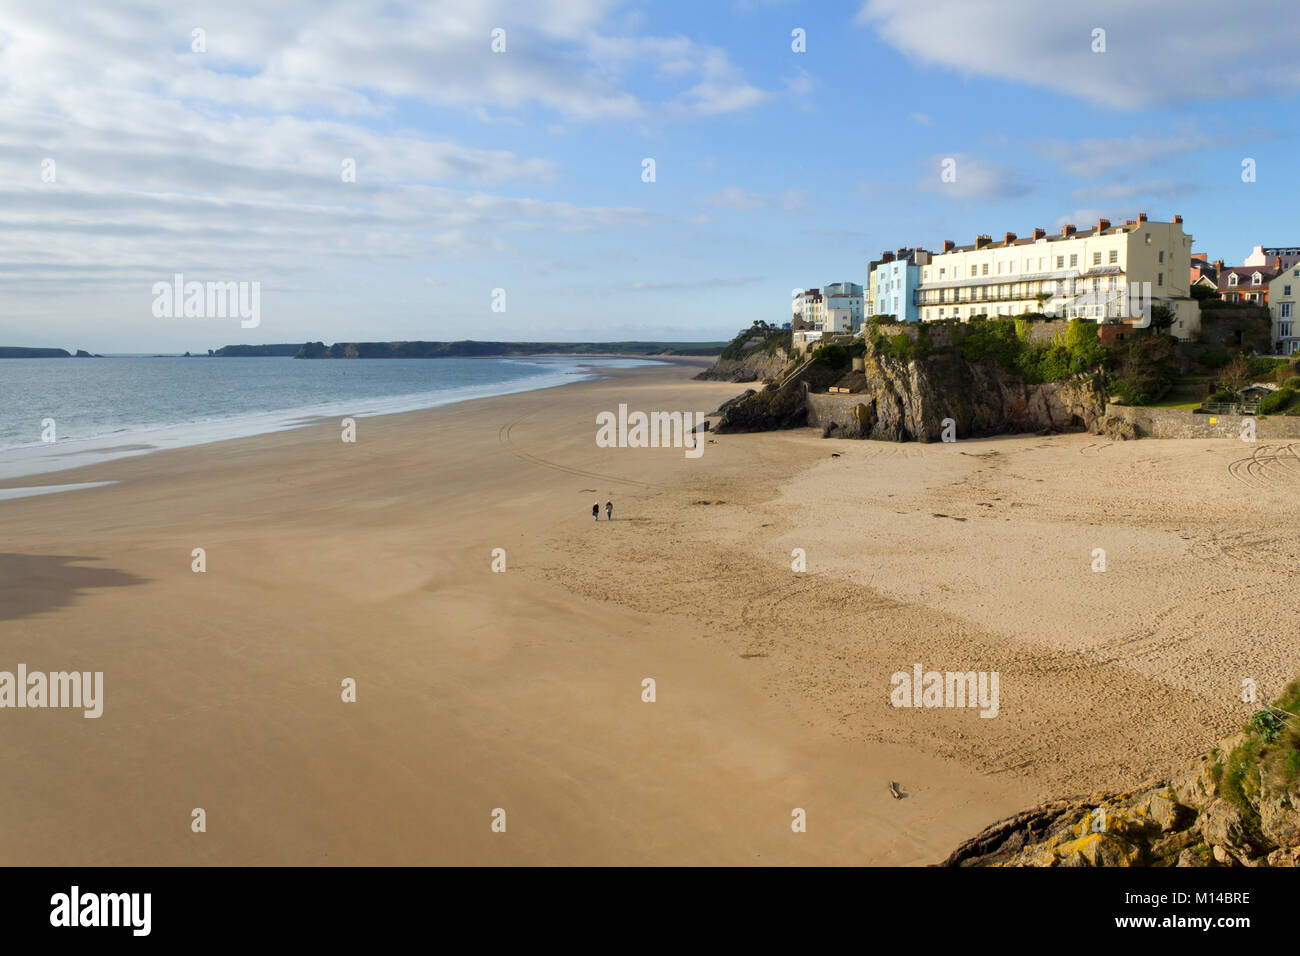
[
  {"x": 757, "y": 366},
  {"x": 893, "y": 400},
  {"x": 757, "y": 354}
]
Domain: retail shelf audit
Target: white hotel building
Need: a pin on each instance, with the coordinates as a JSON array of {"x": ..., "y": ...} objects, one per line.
[
  {"x": 836, "y": 308},
  {"x": 1076, "y": 274}
]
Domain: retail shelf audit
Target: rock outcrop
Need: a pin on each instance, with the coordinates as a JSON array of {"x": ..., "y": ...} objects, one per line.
[
  {"x": 909, "y": 401},
  {"x": 755, "y": 367},
  {"x": 770, "y": 409},
  {"x": 1239, "y": 805}
]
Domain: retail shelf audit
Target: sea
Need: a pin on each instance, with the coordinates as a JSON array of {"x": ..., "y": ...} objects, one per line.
[{"x": 104, "y": 408}]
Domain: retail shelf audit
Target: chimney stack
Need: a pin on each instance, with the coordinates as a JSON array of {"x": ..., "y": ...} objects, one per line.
[
  {"x": 1008, "y": 238},
  {"x": 1067, "y": 230},
  {"x": 1103, "y": 225},
  {"x": 982, "y": 241},
  {"x": 1040, "y": 233},
  {"x": 1130, "y": 222},
  {"x": 949, "y": 245},
  {"x": 1218, "y": 265},
  {"x": 1178, "y": 219},
  {"x": 1277, "y": 263},
  {"x": 886, "y": 257},
  {"x": 1142, "y": 217}
]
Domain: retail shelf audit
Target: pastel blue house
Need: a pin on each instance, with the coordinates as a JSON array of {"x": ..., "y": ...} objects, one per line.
[{"x": 894, "y": 281}]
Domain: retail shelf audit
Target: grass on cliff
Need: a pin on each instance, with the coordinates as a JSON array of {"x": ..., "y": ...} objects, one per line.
[
  {"x": 1270, "y": 753},
  {"x": 1004, "y": 341},
  {"x": 758, "y": 337}
]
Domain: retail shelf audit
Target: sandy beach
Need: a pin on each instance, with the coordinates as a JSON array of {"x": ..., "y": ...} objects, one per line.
[{"x": 522, "y": 690}]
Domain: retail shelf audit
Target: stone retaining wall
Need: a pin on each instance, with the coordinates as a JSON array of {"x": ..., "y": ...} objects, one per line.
[
  {"x": 826, "y": 409},
  {"x": 1181, "y": 423}
]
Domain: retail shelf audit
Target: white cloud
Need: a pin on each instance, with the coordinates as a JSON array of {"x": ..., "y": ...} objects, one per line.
[
  {"x": 1091, "y": 158},
  {"x": 228, "y": 163},
  {"x": 1156, "y": 54},
  {"x": 973, "y": 178},
  {"x": 734, "y": 199},
  {"x": 1128, "y": 192}
]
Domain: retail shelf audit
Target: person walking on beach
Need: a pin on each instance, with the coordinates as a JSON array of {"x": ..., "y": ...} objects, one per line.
[
  {"x": 609, "y": 511},
  {"x": 595, "y": 511}
]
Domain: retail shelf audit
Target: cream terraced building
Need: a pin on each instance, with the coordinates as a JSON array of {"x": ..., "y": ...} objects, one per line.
[
  {"x": 1284, "y": 306},
  {"x": 1072, "y": 274}
]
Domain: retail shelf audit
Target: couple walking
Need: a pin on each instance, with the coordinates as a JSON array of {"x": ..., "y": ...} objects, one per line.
[{"x": 609, "y": 511}]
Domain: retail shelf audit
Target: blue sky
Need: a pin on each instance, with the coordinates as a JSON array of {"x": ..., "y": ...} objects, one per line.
[{"x": 521, "y": 170}]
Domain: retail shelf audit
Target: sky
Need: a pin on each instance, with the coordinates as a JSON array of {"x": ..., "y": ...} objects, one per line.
[{"x": 505, "y": 194}]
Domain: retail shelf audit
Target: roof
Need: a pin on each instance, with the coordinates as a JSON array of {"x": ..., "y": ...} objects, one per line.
[
  {"x": 1266, "y": 275},
  {"x": 1051, "y": 237}
]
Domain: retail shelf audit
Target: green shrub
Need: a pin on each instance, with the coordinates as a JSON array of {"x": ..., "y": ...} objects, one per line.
[
  {"x": 1215, "y": 358},
  {"x": 1292, "y": 383},
  {"x": 902, "y": 347},
  {"x": 1141, "y": 368},
  {"x": 1261, "y": 367},
  {"x": 1276, "y": 402},
  {"x": 779, "y": 340},
  {"x": 1083, "y": 341},
  {"x": 1268, "y": 725},
  {"x": 1140, "y": 390},
  {"x": 1222, "y": 396},
  {"x": 832, "y": 356},
  {"x": 994, "y": 339},
  {"x": 1044, "y": 363}
]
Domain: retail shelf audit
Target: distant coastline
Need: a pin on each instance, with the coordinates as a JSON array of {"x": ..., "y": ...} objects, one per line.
[
  {"x": 406, "y": 350},
  {"x": 19, "y": 352},
  {"x": 472, "y": 349}
]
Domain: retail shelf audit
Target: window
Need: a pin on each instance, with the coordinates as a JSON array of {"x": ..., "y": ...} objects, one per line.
[
  {"x": 1286, "y": 290},
  {"x": 1060, "y": 262},
  {"x": 1060, "y": 287},
  {"x": 1284, "y": 330},
  {"x": 1162, "y": 256},
  {"x": 985, "y": 270},
  {"x": 1232, "y": 278},
  {"x": 972, "y": 270},
  {"x": 1042, "y": 264},
  {"x": 1286, "y": 310},
  {"x": 1255, "y": 279},
  {"x": 941, "y": 272},
  {"x": 1074, "y": 261},
  {"x": 1160, "y": 278},
  {"x": 1114, "y": 256},
  {"x": 1096, "y": 258},
  {"x": 1148, "y": 238}
]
